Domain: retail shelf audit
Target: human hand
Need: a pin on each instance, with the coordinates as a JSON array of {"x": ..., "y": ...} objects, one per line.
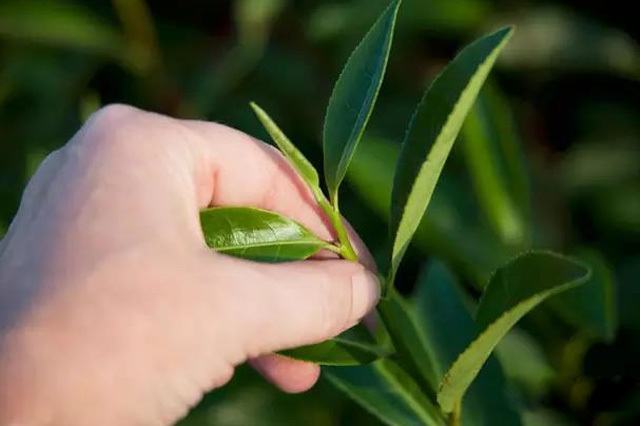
[{"x": 112, "y": 309}]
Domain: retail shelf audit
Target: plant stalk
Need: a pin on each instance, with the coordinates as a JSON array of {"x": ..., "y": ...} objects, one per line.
[
  {"x": 346, "y": 248},
  {"x": 455, "y": 418}
]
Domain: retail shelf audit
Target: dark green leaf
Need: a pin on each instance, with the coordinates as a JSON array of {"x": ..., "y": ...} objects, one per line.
[
  {"x": 355, "y": 346},
  {"x": 387, "y": 392},
  {"x": 440, "y": 308},
  {"x": 257, "y": 234},
  {"x": 354, "y": 96},
  {"x": 411, "y": 350},
  {"x": 514, "y": 290},
  {"x": 432, "y": 132},
  {"x": 592, "y": 306}
]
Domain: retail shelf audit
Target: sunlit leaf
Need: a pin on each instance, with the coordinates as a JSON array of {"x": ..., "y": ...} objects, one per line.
[
  {"x": 304, "y": 168},
  {"x": 446, "y": 326},
  {"x": 432, "y": 132},
  {"x": 449, "y": 229},
  {"x": 257, "y": 234},
  {"x": 514, "y": 290},
  {"x": 354, "y": 96},
  {"x": 355, "y": 346}
]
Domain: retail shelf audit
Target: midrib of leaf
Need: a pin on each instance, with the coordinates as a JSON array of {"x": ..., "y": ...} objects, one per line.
[
  {"x": 365, "y": 113},
  {"x": 366, "y": 109},
  {"x": 467, "y": 366},
  {"x": 418, "y": 200},
  {"x": 310, "y": 242}
]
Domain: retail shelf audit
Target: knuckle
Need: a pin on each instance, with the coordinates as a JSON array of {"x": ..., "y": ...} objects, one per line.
[{"x": 112, "y": 129}]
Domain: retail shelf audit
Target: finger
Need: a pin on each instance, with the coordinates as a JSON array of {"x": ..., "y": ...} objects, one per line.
[
  {"x": 236, "y": 169},
  {"x": 288, "y": 374},
  {"x": 292, "y": 304}
]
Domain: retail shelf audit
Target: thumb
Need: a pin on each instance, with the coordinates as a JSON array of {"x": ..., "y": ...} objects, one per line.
[{"x": 279, "y": 306}]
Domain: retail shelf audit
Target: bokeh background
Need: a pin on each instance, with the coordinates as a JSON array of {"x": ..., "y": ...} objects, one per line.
[{"x": 550, "y": 157}]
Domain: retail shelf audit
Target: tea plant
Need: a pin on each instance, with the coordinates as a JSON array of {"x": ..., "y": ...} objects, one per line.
[{"x": 419, "y": 367}]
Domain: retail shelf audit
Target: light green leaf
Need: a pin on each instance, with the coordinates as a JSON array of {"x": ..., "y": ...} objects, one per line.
[
  {"x": 432, "y": 132},
  {"x": 268, "y": 237},
  {"x": 354, "y": 96},
  {"x": 258, "y": 235},
  {"x": 496, "y": 163},
  {"x": 59, "y": 23},
  {"x": 592, "y": 306},
  {"x": 355, "y": 346},
  {"x": 304, "y": 168},
  {"x": 387, "y": 392},
  {"x": 514, "y": 290},
  {"x": 439, "y": 309},
  {"x": 448, "y": 230}
]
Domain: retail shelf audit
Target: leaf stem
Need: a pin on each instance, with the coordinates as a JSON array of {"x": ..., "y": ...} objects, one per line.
[
  {"x": 346, "y": 248},
  {"x": 455, "y": 417}
]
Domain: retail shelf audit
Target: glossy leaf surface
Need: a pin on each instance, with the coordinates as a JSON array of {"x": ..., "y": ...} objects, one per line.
[
  {"x": 304, "y": 168},
  {"x": 354, "y": 96},
  {"x": 514, "y": 290},
  {"x": 432, "y": 132},
  {"x": 257, "y": 235},
  {"x": 355, "y": 346},
  {"x": 447, "y": 328}
]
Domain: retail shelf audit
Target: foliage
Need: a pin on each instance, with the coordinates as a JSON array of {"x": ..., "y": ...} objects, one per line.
[{"x": 547, "y": 157}]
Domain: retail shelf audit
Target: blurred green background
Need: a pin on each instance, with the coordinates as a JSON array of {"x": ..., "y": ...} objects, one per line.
[{"x": 550, "y": 156}]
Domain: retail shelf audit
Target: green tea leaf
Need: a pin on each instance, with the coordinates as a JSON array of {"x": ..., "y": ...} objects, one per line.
[
  {"x": 432, "y": 132},
  {"x": 355, "y": 346},
  {"x": 448, "y": 230},
  {"x": 257, "y": 235},
  {"x": 591, "y": 307},
  {"x": 514, "y": 290},
  {"x": 387, "y": 392},
  {"x": 354, "y": 96},
  {"x": 439, "y": 309},
  {"x": 411, "y": 350},
  {"x": 304, "y": 168}
]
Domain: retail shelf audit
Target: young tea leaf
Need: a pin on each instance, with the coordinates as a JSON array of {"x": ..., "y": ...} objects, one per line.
[
  {"x": 514, "y": 290},
  {"x": 304, "y": 168},
  {"x": 432, "y": 132},
  {"x": 257, "y": 235},
  {"x": 354, "y": 96},
  {"x": 355, "y": 346}
]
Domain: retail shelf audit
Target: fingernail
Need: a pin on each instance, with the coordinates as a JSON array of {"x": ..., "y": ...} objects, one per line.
[{"x": 366, "y": 293}]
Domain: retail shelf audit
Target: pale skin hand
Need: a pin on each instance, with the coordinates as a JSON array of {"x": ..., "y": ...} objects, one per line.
[{"x": 113, "y": 311}]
